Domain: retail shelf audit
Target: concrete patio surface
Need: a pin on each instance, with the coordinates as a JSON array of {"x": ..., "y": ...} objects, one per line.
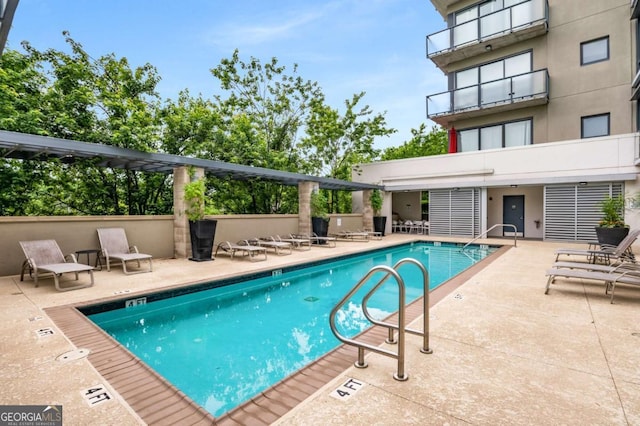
[{"x": 503, "y": 351}]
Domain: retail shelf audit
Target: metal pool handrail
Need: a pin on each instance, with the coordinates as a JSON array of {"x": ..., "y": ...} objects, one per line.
[
  {"x": 390, "y": 272},
  {"x": 515, "y": 236}
]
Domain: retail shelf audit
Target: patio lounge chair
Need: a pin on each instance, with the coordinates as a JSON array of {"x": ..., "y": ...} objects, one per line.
[
  {"x": 277, "y": 246},
  {"x": 244, "y": 248},
  {"x": 605, "y": 254},
  {"x": 114, "y": 246},
  {"x": 45, "y": 256},
  {"x": 625, "y": 273},
  {"x": 353, "y": 236},
  {"x": 317, "y": 240},
  {"x": 298, "y": 243},
  {"x": 372, "y": 234}
]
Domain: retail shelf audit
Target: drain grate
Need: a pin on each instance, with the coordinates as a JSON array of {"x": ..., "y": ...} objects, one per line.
[
  {"x": 73, "y": 355},
  {"x": 311, "y": 299}
]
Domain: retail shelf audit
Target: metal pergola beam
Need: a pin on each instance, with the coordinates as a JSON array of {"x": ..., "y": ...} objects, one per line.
[{"x": 6, "y": 18}]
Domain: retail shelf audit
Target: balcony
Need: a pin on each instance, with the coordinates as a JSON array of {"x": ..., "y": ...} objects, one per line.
[
  {"x": 519, "y": 91},
  {"x": 504, "y": 27}
]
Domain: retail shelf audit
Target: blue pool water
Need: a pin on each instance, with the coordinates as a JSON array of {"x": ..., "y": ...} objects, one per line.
[{"x": 223, "y": 345}]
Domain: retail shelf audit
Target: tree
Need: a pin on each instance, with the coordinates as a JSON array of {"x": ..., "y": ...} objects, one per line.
[
  {"x": 262, "y": 115},
  {"x": 334, "y": 143},
  {"x": 73, "y": 96},
  {"x": 421, "y": 144}
]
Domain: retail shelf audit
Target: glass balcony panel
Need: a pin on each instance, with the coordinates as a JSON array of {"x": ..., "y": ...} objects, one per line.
[
  {"x": 438, "y": 42},
  {"x": 507, "y": 90},
  {"x": 495, "y": 23},
  {"x": 529, "y": 84},
  {"x": 439, "y": 104},
  {"x": 495, "y": 91},
  {"x": 465, "y": 98},
  {"x": 469, "y": 28},
  {"x": 465, "y": 33},
  {"x": 527, "y": 12}
]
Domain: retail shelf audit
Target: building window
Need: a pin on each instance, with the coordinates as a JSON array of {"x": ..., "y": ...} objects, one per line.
[
  {"x": 496, "y": 136},
  {"x": 594, "y": 51},
  {"x": 595, "y": 125}
]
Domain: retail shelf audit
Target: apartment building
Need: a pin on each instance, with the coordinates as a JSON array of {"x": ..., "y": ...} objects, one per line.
[{"x": 542, "y": 115}]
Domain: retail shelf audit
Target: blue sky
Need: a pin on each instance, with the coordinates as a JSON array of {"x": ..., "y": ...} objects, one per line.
[{"x": 347, "y": 46}]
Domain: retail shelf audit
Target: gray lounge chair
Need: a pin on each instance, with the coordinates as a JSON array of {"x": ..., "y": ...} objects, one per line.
[
  {"x": 298, "y": 243},
  {"x": 244, "y": 248},
  {"x": 625, "y": 273},
  {"x": 605, "y": 254},
  {"x": 279, "y": 247},
  {"x": 45, "y": 256},
  {"x": 317, "y": 240},
  {"x": 353, "y": 236},
  {"x": 114, "y": 246}
]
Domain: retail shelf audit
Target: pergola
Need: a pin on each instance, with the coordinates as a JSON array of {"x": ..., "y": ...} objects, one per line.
[
  {"x": 33, "y": 147},
  {"x": 23, "y": 146}
]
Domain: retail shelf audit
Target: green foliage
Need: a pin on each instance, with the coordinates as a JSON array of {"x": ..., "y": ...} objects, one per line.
[
  {"x": 422, "y": 144},
  {"x": 319, "y": 205},
  {"x": 335, "y": 142},
  {"x": 376, "y": 201},
  {"x": 612, "y": 210},
  {"x": 71, "y": 95}
]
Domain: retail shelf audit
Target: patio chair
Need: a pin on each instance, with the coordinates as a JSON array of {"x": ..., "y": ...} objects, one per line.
[
  {"x": 277, "y": 246},
  {"x": 605, "y": 254},
  {"x": 353, "y": 236},
  {"x": 45, "y": 256},
  {"x": 244, "y": 248},
  {"x": 114, "y": 246},
  {"x": 298, "y": 243},
  {"x": 317, "y": 240},
  {"x": 372, "y": 234},
  {"x": 622, "y": 274}
]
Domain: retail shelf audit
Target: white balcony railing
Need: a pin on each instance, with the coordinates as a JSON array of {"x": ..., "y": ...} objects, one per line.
[
  {"x": 501, "y": 22},
  {"x": 485, "y": 95}
]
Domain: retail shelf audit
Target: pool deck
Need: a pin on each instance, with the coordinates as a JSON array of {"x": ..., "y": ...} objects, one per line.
[{"x": 503, "y": 351}]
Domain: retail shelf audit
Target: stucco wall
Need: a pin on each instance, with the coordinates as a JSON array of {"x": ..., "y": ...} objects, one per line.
[{"x": 151, "y": 234}]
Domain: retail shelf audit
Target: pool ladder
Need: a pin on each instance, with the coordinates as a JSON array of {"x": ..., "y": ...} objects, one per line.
[{"x": 400, "y": 327}]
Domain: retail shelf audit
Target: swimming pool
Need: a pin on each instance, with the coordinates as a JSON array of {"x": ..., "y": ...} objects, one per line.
[{"x": 237, "y": 340}]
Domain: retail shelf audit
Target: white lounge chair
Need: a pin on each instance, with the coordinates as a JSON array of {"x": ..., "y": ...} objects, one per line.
[
  {"x": 244, "y": 248},
  {"x": 114, "y": 246},
  {"x": 45, "y": 256}
]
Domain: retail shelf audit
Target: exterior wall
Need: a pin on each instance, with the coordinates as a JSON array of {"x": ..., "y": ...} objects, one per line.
[
  {"x": 593, "y": 159},
  {"x": 151, "y": 234},
  {"x": 407, "y": 205},
  {"x": 574, "y": 90},
  {"x": 533, "y": 202}
]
